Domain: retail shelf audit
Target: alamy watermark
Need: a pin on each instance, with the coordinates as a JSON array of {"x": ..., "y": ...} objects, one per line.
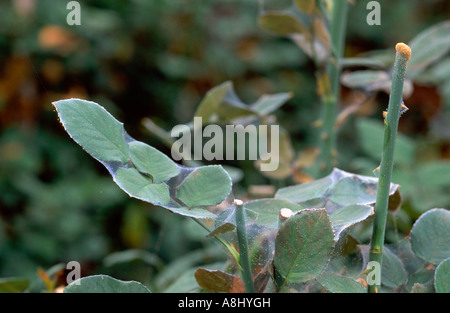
[
  {"x": 75, "y": 273},
  {"x": 238, "y": 142},
  {"x": 74, "y": 16},
  {"x": 374, "y": 16},
  {"x": 373, "y": 270}
]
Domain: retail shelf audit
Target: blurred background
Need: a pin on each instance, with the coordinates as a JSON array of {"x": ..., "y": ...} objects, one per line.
[{"x": 157, "y": 59}]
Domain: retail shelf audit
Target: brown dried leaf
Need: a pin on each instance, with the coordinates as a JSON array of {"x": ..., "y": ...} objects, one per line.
[
  {"x": 238, "y": 285},
  {"x": 219, "y": 281},
  {"x": 395, "y": 201}
]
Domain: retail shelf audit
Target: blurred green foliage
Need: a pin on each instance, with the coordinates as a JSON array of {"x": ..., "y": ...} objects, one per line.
[{"x": 157, "y": 59}]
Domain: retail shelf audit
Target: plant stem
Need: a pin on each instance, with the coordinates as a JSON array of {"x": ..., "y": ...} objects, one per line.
[
  {"x": 244, "y": 259},
  {"x": 331, "y": 94},
  {"x": 403, "y": 53}
]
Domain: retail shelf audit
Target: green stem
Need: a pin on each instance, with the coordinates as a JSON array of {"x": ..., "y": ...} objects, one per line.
[
  {"x": 332, "y": 94},
  {"x": 244, "y": 259},
  {"x": 387, "y": 159}
]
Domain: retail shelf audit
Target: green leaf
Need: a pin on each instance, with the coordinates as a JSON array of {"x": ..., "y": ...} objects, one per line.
[
  {"x": 304, "y": 192},
  {"x": 373, "y": 80},
  {"x": 367, "y": 80},
  {"x": 361, "y": 62},
  {"x": 442, "y": 277},
  {"x": 340, "y": 187},
  {"x": 403, "y": 250},
  {"x": 142, "y": 187},
  {"x": 137, "y": 168},
  {"x": 303, "y": 245},
  {"x": 393, "y": 273},
  {"x": 209, "y": 106},
  {"x": 345, "y": 196},
  {"x": 222, "y": 229},
  {"x": 93, "y": 128},
  {"x": 430, "y": 236},
  {"x": 371, "y": 136},
  {"x": 221, "y": 104},
  {"x": 281, "y": 23},
  {"x": 428, "y": 46},
  {"x": 268, "y": 210},
  {"x": 205, "y": 186},
  {"x": 266, "y": 104},
  {"x": 384, "y": 56},
  {"x": 423, "y": 277},
  {"x": 104, "y": 284},
  {"x": 151, "y": 161},
  {"x": 339, "y": 284},
  {"x": 13, "y": 284},
  {"x": 437, "y": 74},
  {"x": 349, "y": 215},
  {"x": 354, "y": 190}
]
